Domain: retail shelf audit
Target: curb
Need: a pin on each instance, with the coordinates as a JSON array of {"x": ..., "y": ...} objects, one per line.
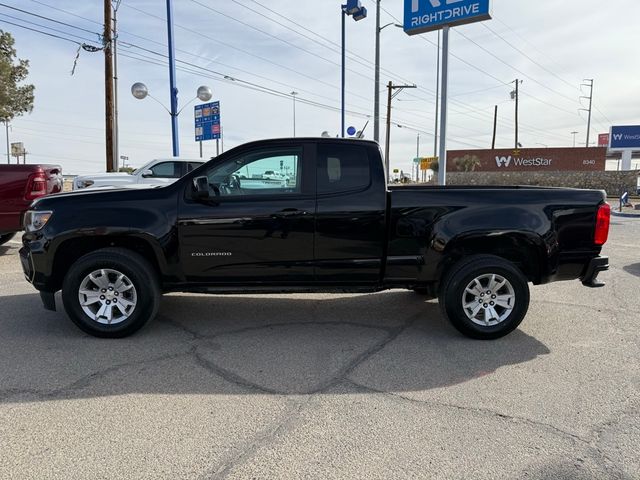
[{"x": 627, "y": 215}]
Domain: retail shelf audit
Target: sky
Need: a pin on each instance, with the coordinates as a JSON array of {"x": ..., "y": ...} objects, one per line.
[{"x": 267, "y": 49}]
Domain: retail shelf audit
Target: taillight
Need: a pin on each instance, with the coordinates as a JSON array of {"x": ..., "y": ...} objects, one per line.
[
  {"x": 36, "y": 186},
  {"x": 603, "y": 219}
]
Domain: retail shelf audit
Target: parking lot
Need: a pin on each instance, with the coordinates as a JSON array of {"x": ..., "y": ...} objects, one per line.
[{"x": 327, "y": 386}]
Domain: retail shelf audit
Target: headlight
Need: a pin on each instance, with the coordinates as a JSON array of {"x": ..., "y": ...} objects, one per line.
[
  {"x": 84, "y": 183},
  {"x": 35, "y": 220}
]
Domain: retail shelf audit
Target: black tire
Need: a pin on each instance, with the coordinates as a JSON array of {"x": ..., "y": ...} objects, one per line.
[
  {"x": 461, "y": 275},
  {"x": 6, "y": 237},
  {"x": 140, "y": 273}
]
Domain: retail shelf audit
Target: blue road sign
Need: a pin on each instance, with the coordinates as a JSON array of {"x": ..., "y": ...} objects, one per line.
[
  {"x": 625, "y": 137},
  {"x": 427, "y": 15},
  {"x": 207, "y": 121}
]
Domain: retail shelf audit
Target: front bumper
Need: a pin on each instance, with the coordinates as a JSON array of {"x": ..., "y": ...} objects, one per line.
[
  {"x": 27, "y": 264},
  {"x": 590, "y": 276}
]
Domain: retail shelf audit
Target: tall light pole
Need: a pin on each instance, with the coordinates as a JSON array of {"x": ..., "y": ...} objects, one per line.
[
  {"x": 574, "y": 138},
  {"x": 293, "y": 95},
  {"x": 355, "y": 9},
  {"x": 172, "y": 82},
  {"x": 376, "y": 93}
]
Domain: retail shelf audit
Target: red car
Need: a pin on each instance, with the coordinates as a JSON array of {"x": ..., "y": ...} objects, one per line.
[{"x": 19, "y": 186}]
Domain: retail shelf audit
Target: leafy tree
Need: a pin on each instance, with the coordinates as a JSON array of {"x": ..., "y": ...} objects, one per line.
[
  {"x": 15, "y": 99},
  {"x": 468, "y": 163}
]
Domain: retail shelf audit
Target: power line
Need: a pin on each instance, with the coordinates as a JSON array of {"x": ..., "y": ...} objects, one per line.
[
  {"x": 41, "y": 32},
  {"x": 46, "y": 18},
  {"x": 262, "y": 58},
  {"x": 514, "y": 68},
  {"x": 293, "y": 45},
  {"x": 528, "y": 57},
  {"x": 335, "y": 47},
  {"x": 190, "y": 69},
  {"x": 43, "y": 26}
]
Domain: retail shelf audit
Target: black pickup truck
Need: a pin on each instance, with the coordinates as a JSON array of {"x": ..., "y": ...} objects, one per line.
[{"x": 326, "y": 222}]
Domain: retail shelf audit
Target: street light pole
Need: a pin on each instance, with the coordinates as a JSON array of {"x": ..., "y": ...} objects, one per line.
[
  {"x": 376, "y": 93},
  {"x": 358, "y": 12},
  {"x": 172, "y": 81},
  {"x": 344, "y": 16}
]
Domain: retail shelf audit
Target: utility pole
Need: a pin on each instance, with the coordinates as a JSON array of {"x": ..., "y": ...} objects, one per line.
[
  {"x": 376, "y": 93},
  {"x": 108, "y": 85},
  {"x": 590, "y": 97},
  {"x": 391, "y": 95},
  {"x": 495, "y": 128},
  {"x": 418, "y": 156},
  {"x": 116, "y": 130},
  {"x": 386, "y": 146},
  {"x": 515, "y": 95},
  {"x": 574, "y": 138}
]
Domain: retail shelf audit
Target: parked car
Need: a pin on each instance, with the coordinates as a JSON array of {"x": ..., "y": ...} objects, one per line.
[
  {"x": 19, "y": 186},
  {"x": 337, "y": 228},
  {"x": 156, "y": 172}
]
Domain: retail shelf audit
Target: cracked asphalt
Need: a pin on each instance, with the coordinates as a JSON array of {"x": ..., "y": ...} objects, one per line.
[{"x": 327, "y": 386}]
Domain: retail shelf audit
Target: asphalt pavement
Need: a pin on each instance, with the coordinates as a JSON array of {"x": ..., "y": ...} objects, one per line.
[{"x": 327, "y": 386}]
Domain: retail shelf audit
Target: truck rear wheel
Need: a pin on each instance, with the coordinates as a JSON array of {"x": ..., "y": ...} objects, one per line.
[
  {"x": 111, "y": 293},
  {"x": 484, "y": 297}
]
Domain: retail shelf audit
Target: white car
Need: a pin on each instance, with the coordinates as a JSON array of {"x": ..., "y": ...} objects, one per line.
[{"x": 157, "y": 172}]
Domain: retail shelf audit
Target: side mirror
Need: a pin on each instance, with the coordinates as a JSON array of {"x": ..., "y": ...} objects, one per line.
[
  {"x": 201, "y": 188},
  {"x": 147, "y": 174}
]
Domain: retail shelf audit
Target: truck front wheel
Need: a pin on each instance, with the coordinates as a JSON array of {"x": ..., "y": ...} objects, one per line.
[
  {"x": 111, "y": 293},
  {"x": 484, "y": 297}
]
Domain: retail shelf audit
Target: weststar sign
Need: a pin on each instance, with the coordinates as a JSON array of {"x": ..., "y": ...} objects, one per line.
[{"x": 528, "y": 160}]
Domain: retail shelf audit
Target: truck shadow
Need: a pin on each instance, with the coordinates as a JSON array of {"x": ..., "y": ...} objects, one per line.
[
  {"x": 633, "y": 269},
  {"x": 284, "y": 345}
]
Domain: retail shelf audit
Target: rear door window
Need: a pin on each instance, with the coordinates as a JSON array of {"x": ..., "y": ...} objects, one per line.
[
  {"x": 342, "y": 168},
  {"x": 167, "y": 170}
]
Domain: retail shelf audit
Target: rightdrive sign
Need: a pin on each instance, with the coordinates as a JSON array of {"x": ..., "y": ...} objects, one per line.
[
  {"x": 427, "y": 15},
  {"x": 625, "y": 137}
]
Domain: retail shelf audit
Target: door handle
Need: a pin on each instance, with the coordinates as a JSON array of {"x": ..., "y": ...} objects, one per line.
[{"x": 290, "y": 212}]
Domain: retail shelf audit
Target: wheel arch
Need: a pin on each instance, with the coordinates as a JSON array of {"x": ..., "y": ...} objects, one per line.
[
  {"x": 526, "y": 250},
  {"x": 70, "y": 250}
]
